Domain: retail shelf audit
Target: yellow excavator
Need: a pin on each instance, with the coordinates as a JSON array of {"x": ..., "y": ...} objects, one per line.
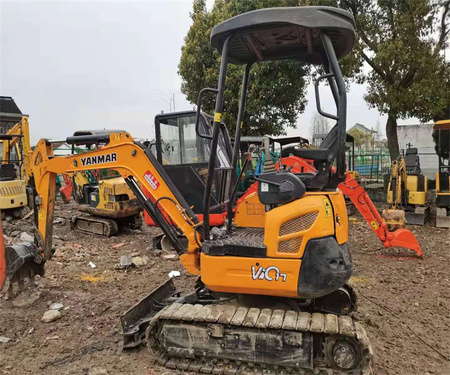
[
  {"x": 269, "y": 299},
  {"x": 441, "y": 136},
  {"x": 106, "y": 204},
  {"x": 15, "y": 154},
  {"x": 407, "y": 192}
]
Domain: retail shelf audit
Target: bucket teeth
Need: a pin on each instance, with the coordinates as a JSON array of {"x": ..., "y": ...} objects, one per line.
[{"x": 23, "y": 262}]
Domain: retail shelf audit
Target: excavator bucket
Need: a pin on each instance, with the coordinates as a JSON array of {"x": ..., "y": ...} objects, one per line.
[
  {"x": 404, "y": 238},
  {"x": 395, "y": 219},
  {"x": 18, "y": 263}
]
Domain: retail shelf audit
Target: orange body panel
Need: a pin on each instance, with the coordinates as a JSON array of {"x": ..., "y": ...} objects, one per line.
[
  {"x": 318, "y": 224},
  {"x": 247, "y": 275},
  {"x": 250, "y": 213},
  {"x": 340, "y": 218}
]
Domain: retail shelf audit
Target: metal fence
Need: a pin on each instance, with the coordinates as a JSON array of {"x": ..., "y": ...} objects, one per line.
[{"x": 373, "y": 164}]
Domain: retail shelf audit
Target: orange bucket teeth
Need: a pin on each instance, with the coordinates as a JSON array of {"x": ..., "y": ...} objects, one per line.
[{"x": 404, "y": 238}]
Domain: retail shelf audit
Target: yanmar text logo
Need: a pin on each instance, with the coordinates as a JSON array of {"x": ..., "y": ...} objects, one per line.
[
  {"x": 99, "y": 159},
  {"x": 270, "y": 273}
]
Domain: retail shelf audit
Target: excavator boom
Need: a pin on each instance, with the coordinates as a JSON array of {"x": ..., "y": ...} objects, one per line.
[{"x": 135, "y": 163}]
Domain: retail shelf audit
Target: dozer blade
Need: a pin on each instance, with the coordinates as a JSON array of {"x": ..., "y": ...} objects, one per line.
[
  {"x": 23, "y": 261},
  {"x": 417, "y": 217},
  {"x": 442, "y": 219},
  {"x": 136, "y": 320},
  {"x": 404, "y": 238},
  {"x": 394, "y": 218}
]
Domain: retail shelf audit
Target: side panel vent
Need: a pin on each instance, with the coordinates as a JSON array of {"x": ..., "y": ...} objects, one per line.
[
  {"x": 291, "y": 246},
  {"x": 299, "y": 224}
]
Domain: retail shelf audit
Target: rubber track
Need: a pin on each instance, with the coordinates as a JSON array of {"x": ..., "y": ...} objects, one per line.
[
  {"x": 109, "y": 223},
  {"x": 291, "y": 320}
]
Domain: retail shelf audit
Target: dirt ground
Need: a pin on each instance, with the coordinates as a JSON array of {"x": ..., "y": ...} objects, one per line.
[{"x": 404, "y": 304}]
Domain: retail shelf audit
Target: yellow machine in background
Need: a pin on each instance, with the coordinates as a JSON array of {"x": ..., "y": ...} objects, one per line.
[
  {"x": 101, "y": 193},
  {"x": 111, "y": 206},
  {"x": 441, "y": 136},
  {"x": 407, "y": 192},
  {"x": 15, "y": 151}
]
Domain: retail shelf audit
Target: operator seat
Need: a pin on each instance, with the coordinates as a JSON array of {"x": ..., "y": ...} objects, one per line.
[
  {"x": 412, "y": 161},
  {"x": 322, "y": 158},
  {"x": 7, "y": 172}
]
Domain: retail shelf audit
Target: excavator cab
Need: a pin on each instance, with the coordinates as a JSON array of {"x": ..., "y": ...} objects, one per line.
[
  {"x": 181, "y": 146},
  {"x": 13, "y": 195}
]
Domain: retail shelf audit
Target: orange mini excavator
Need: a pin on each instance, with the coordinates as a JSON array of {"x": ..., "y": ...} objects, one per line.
[{"x": 273, "y": 299}]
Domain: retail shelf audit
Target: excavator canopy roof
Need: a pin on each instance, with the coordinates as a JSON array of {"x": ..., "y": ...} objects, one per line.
[
  {"x": 443, "y": 125},
  {"x": 285, "y": 33}
]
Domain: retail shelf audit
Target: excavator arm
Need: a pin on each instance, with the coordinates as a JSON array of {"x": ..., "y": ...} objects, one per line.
[
  {"x": 359, "y": 197},
  {"x": 136, "y": 164}
]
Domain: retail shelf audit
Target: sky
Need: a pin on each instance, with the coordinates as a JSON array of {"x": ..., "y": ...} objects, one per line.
[{"x": 77, "y": 65}]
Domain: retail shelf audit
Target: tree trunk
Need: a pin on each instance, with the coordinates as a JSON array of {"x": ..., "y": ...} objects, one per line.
[{"x": 392, "y": 138}]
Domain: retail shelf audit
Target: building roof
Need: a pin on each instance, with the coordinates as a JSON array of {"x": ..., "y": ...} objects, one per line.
[
  {"x": 362, "y": 128},
  {"x": 8, "y": 106}
]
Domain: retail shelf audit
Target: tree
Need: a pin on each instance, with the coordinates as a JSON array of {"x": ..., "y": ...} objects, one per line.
[
  {"x": 362, "y": 139},
  {"x": 319, "y": 126},
  {"x": 402, "y": 42},
  {"x": 276, "y": 92}
]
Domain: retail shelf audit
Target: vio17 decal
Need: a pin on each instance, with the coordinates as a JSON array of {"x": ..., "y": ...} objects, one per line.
[
  {"x": 99, "y": 159},
  {"x": 270, "y": 273}
]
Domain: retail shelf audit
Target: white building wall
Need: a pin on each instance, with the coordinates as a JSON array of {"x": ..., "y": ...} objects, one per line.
[{"x": 420, "y": 137}]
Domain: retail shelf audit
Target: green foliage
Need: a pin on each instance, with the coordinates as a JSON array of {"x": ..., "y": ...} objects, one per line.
[
  {"x": 401, "y": 43},
  {"x": 276, "y": 92},
  {"x": 361, "y": 138}
]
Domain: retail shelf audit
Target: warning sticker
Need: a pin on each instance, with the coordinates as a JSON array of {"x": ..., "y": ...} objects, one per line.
[
  {"x": 153, "y": 182},
  {"x": 328, "y": 209},
  {"x": 374, "y": 225}
]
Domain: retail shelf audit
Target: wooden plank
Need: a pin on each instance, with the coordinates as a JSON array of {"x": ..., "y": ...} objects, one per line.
[
  {"x": 239, "y": 316},
  {"x": 264, "y": 318},
  {"x": 290, "y": 320},
  {"x": 331, "y": 323},
  {"x": 317, "y": 322},
  {"x": 193, "y": 311},
  {"x": 227, "y": 315},
  {"x": 252, "y": 317},
  {"x": 277, "y": 319},
  {"x": 346, "y": 326},
  {"x": 303, "y": 321}
]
